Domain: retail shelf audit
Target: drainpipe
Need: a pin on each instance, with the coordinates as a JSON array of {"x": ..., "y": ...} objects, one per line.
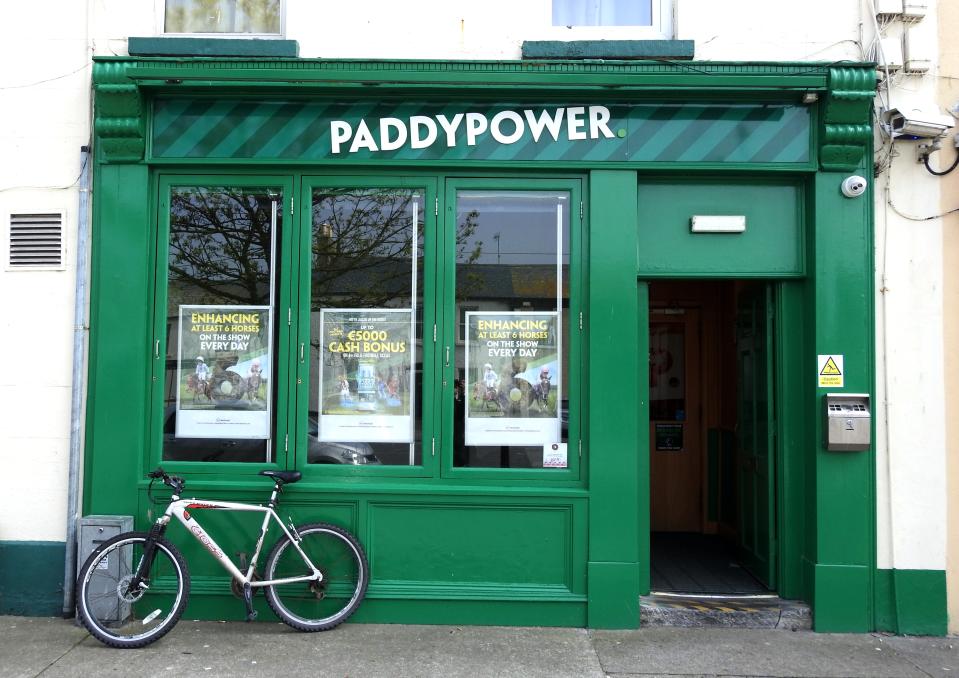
[{"x": 76, "y": 408}]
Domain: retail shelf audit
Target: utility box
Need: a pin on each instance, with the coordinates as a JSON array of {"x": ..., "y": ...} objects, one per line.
[
  {"x": 848, "y": 422},
  {"x": 91, "y": 532}
]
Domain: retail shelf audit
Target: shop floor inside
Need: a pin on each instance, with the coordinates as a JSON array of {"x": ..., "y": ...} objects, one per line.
[{"x": 684, "y": 562}]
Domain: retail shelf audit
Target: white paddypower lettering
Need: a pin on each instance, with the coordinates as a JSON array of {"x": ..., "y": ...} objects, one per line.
[
  {"x": 340, "y": 133},
  {"x": 497, "y": 131},
  {"x": 417, "y": 140},
  {"x": 449, "y": 126},
  {"x": 575, "y": 123},
  {"x": 544, "y": 121},
  {"x": 476, "y": 124},
  {"x": 386, "y": 124}
]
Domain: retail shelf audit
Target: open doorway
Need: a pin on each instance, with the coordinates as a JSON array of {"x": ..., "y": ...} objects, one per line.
[{"x": 712, "y": 437}]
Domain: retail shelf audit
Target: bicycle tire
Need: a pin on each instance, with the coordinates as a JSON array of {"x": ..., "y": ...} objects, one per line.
[
  {"x": 123, "y": 620},
  {"x": 311, "y": 606}
]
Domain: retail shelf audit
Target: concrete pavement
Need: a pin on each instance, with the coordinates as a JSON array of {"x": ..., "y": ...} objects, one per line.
[{"x": 55, "y": 647}]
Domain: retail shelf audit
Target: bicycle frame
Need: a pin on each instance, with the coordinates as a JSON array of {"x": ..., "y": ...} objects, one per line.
[{"x": 180, "y": 509}]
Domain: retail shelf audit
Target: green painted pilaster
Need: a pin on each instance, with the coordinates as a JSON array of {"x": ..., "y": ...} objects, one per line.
[
  {"x": 614, "y": 450},
  {"x": 843, "y": 487},
  {"x": 120, "y": 338}
]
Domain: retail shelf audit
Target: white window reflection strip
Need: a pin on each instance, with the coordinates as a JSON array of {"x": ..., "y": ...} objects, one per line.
[{"x": 413, "y": 386}]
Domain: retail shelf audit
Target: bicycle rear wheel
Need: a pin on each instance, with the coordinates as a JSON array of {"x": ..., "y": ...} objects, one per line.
[
  {"x": 317, "y": 606},
  {"x": 122, "y": 618}
]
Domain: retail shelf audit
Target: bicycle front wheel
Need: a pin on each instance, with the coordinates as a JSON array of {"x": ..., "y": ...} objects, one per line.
[
  {"x": 125, "y": 616},
  {"x": 311, "y": 605}
]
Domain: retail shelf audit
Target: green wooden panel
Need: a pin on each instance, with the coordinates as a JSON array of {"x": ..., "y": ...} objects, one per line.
[
  {"x": 469, "y": 544},
  {"x": 303, "y": 130},
  {"x": 771, "y": 246}
]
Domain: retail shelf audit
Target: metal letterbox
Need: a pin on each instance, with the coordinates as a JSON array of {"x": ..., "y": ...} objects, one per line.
[
  {"x": 91, "y": 532},
  {"x": 848, "y": 423}
]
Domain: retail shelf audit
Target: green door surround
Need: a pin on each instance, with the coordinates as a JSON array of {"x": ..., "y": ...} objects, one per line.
[{"x": 829, "y": 547}]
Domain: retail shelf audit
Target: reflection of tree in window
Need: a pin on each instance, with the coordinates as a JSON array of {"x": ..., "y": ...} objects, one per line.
[
  {"x": 219, "y": 246},
  {"x": 363, "y": 248}
]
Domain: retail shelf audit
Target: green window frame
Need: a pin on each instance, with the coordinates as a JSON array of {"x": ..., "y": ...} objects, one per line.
[
  {"x": 163, "y": 344},
  {"x": 439, "y": 310}
]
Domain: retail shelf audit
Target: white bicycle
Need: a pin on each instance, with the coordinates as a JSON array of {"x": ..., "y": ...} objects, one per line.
[{"x": 133, "y": 588}]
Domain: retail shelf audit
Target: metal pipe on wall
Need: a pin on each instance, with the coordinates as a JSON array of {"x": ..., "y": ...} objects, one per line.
[{"x": 76, "y": 406}]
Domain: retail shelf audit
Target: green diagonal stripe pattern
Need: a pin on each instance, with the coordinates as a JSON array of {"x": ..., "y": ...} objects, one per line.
[{"x": 304, "y": 130}]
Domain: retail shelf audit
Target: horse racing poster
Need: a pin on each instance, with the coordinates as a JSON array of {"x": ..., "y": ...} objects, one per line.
[
  {"x": 366, "y": 375},
  {"x": 223, "y": 372},
  {"x": 512, "y": 378}
]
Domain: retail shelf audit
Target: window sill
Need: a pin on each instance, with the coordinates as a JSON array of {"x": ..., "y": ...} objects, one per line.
[
  {"x": 608, "y": 49},
  {"x": 213, "y": 47}
]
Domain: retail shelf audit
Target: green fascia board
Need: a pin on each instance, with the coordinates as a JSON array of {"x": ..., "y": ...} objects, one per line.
[
  {"x": 608, "y": 49},
  {"x": 213, "y": 47},
  {"x": 661, "y": 78}
]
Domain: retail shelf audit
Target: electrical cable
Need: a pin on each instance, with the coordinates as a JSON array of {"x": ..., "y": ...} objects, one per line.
[{"x": 955, "y": 163}]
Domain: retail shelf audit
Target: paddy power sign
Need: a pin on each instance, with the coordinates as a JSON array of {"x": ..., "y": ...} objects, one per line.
[
  {"x": 574, "y": 123},
  {"x": 428, "y": 131}
]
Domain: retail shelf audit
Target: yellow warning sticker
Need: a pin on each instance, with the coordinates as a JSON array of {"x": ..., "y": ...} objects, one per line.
[{"x": 831, "y": 372}]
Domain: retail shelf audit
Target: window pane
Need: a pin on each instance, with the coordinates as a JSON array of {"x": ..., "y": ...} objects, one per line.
[
  {"x": 218, "y": 391},
  {"x": 512, "y": 296},
  {"x": 602, "y": 12},
  {"x": 222, "y": 16},
  {"x": 366, "y": 326}
]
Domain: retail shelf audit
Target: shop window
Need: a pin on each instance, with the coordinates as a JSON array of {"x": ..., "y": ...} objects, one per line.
[
  {"x": 219, "y": 395},
  {"x": 236, "y": 17},
  {"x": 512, "y": 369},
  {"x": 366, "y": 326}
]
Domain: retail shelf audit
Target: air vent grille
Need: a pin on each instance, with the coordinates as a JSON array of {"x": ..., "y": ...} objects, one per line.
[{"x": 36, "y": 240}]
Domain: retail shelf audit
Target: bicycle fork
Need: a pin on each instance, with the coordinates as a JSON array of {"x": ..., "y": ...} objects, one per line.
[{"x": 142, "y": 574}]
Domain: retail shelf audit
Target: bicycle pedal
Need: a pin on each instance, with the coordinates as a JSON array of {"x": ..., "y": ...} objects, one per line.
[{"x": 248, "y": 601}]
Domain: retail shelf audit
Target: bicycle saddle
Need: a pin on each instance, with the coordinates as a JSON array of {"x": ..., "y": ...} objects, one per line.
[{"x": 283, "y": 476}]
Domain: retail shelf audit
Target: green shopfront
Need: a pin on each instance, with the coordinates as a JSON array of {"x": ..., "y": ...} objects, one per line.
[{"x": 502, "y": 316}]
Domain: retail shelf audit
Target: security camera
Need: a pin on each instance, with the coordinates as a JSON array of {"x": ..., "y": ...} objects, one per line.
[
  {"x": 916, "y": 123},
  {"x": 853, "y": 187}
]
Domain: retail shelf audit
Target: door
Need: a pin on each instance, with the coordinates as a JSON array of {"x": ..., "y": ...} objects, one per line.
[
  {"x": 674, "y": 421},
  {"x": 756, "y": 431}
]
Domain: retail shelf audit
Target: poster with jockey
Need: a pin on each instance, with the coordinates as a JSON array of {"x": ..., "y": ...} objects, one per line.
[
  {"x": 366, "y": 375},
  {"x": 512, "y": 378},
  {"x": 224, "y": 372}
]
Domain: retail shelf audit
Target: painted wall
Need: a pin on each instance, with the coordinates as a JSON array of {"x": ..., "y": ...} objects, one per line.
[
  {"x": 44, "y": 96},
  {"x": 948, "y": 83}
]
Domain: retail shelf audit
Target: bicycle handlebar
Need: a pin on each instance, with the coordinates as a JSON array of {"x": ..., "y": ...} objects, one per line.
[{"x": 174, "y": 482}]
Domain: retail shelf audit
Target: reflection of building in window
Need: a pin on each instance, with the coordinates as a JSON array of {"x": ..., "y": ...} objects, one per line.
[{"x": 258, "y": 17}]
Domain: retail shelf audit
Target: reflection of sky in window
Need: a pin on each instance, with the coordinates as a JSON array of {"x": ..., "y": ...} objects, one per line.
[{"x": 512, "y": 227}]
